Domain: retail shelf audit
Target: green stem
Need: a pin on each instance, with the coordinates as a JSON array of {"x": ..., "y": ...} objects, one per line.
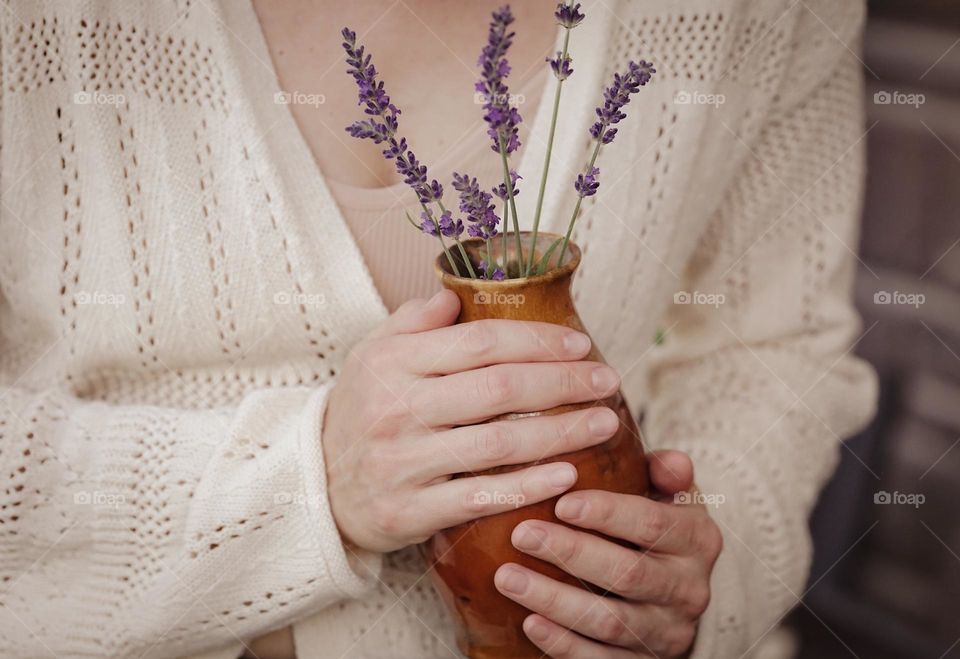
[
  {"x": 576, "y": 209},
  {"x": 443, "y": 244},
  {"x": 463, "y": 252},
  {"x": 513, "y": 206},
  {"x": 503, "y": 240},
  {"x": 490, "y": 264},
  {"x": 546, "y": 160}
]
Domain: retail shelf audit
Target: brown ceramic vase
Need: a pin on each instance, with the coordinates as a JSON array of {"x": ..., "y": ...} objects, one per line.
[{"x": 463, "y": 559}]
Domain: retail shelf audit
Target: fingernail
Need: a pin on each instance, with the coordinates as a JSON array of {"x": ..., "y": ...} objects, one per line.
[
  {"x": 528, "y": 537},
  {"x": 602, "y": 423},
  {"x": 511, "y": 579},
  {"x": 537, "y": 631},
  {"x": 562, "y": 476},
  {"x": 576, "y": 343},
  {"x": 570, "y": 507},
  {"x": 604, "y": 379}
]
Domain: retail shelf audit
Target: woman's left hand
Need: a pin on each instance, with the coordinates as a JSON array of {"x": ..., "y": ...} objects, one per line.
[{"x": 663, "y": 587}]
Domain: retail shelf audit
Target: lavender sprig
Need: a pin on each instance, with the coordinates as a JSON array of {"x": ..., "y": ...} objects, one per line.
[
  {"x": 382, "y": 128},
  {"x": 615, "y": 97},
  {"x": 480, "y": 212},
  {"x": 501, "y": 117},
  {"x": 569, "y": 16}
]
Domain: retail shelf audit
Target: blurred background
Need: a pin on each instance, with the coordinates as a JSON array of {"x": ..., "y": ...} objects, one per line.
[{"x": 886, "y": 576}]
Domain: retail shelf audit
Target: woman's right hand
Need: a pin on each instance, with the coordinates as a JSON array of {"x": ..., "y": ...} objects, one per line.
[{"x": 408, "y": 412}]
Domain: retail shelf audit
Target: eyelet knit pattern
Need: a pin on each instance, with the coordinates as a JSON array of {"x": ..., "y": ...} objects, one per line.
[{"x": 177, "y": 291}]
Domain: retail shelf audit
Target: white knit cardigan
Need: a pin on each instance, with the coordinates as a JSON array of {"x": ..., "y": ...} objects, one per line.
[{"x": 179, "y": 291}]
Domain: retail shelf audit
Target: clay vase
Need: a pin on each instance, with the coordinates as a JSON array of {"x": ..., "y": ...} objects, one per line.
[{"x": 463, "y": 559}]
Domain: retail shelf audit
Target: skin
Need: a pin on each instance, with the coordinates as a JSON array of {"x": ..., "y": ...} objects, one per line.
[{"x": 407, "y": 410}]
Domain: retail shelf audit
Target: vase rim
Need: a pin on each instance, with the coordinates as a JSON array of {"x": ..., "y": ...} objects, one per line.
[{"x": 563, "y": 270}]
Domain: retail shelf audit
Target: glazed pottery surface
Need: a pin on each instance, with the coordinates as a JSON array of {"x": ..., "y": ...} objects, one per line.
[{"x": 463, "y": 559}]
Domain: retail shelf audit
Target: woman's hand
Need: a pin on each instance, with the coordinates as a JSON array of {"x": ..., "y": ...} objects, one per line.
[
  {"x": 664, "y": 586},
  {"x": 407, "y": 411}
]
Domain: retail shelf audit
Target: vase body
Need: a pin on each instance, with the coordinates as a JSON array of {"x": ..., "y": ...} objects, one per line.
[{"x": 464, "y": 558}]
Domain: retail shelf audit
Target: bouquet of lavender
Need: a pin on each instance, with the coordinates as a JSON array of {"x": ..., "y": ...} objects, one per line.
[{"x": 476, "y": 205}]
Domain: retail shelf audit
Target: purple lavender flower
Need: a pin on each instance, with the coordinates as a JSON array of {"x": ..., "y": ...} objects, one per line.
[
  {"x": 588, "y": 184},
  {"x": 448, "y": 226},
  {"x": 568, "y": 16},
  {"x": 497, "y": 275},
  {"x": 561, "y": 65},
  {"x": 476, "y": 205},
  {"x": 616, "y": 96},
  {"x": 500, "y": 116},
  {"x": 383, "y": 124},
  {"x": 501, "y": 190}
]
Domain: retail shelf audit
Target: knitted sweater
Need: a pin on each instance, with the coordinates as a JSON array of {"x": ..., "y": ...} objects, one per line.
[{"x": 178, "y": 291}]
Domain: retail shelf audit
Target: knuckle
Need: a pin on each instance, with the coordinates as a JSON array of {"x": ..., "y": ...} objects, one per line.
[
  {"x": 568, "y": 382},
  {"x": 633, "y": 576},
  {"x": 654, "y": 525},
  {"x": 564, "y": 434},
  {"x": 711, "y": 540},
  {"x": 550, "y": 601},
  {"x": 479, "y": 337},
  {"x": 561, "y": 645},
  {"x": 496, "y": 386},
  {"x": 386, "y": 516},
  {"x": 679, "y": 639},
  {"x": 697, "y": 598},
  {"x": 494, "y": 442},
  {"x": 568, "y": 551},
  {"x": 609, "y": 626}
]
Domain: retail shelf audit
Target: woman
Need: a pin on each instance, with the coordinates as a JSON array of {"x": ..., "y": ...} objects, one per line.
[{"x": 224, "y": 384}]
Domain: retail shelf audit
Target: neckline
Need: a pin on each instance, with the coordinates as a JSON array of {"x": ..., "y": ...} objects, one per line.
[
  {"x": 453, "y": 159},
  {"x": 259, "y": 80}
]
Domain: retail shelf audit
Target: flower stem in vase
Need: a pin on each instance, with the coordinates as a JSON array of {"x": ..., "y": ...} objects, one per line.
[{"x": 569, "y": 16}]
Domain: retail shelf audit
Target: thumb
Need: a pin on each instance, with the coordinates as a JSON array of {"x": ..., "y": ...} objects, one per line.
[
  {"x": 670, "y": 471},
  {"x": 422, "y": 315}
]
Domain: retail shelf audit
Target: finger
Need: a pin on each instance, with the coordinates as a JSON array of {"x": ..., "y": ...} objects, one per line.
[
  {"x": 484, "y": 342},
  {"x": 478, "y": 447},
  {"x": 632, "y": 574},
  {"x": 421, "y": 315},
  {"x": 658, "y": 526},
  {"x": 461, "y": 500},
  {"x": 477, "y": 395},
  {"x": 600, "y": 618},
  {"x": 670, "y": 471},
  {"x": 561, "y": 643}
]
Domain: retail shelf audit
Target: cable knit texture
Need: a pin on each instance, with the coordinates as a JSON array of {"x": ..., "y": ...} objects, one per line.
[{"x": 179, "y": 290}]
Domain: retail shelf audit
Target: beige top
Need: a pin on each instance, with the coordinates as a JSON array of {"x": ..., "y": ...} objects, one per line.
[
  {"x": 398, "y": 257},
  {"x": 178, "y": 294}
]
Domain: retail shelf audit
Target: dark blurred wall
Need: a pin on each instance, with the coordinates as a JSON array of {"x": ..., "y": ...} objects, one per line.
[{"x": 886, "y": 579}]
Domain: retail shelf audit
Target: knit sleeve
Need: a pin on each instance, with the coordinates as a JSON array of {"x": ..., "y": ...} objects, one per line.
[
  {"x": 148, "y": 531},
  {"x": 755, "y": 380}
]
